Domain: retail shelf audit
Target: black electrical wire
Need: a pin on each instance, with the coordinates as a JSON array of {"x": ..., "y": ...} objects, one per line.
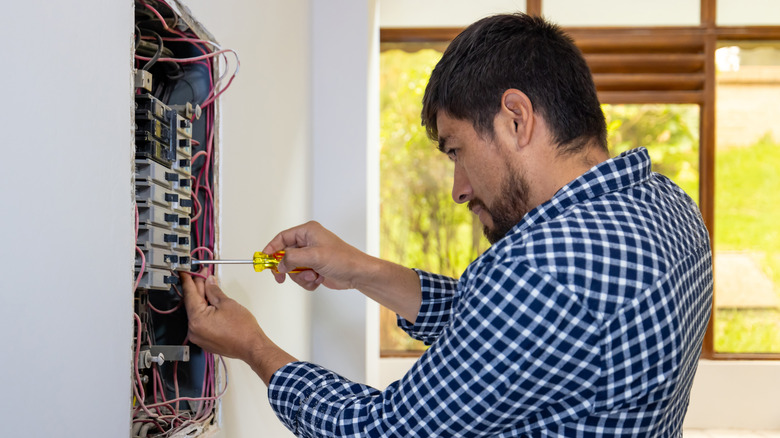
[
  {"x": 176, "y": 73},
  {"x": 167, "y": 91},
  {"x": 148, "y": 49},
  {"x": 158, "y": 89},
  {"x": 157, "y": 54}
]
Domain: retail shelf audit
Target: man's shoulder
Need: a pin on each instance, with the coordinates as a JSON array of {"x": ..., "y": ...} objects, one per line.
[{"x": 608, "y": 247}]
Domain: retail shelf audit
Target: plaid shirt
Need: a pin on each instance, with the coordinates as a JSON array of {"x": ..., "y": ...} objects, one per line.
[{"x": 586, "y": 320}]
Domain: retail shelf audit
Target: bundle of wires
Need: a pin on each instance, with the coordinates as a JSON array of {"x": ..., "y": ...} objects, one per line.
[{"x": 159, "y": 407}]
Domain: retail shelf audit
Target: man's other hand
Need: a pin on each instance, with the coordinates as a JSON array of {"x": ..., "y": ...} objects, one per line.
[
  {"x": 222, "y": 326},
  {"x": 217, "y": 322}
]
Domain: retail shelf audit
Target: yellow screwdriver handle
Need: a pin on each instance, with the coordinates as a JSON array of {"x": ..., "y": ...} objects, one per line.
[{"x": 262, "y": 261}]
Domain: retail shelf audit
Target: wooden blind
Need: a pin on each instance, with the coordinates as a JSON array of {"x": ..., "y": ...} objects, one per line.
[{"x": 632, "y": 65}]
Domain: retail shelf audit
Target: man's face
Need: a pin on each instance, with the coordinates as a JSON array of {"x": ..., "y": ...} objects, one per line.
[{"x": 486, "y": 177}]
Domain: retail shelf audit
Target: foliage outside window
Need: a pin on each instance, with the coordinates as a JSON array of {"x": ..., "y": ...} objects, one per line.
[
  {"x": 669, "y": 132},
  {"x": 420, "y": 224}
]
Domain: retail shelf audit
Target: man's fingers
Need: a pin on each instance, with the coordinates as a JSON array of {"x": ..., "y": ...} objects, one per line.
[
  {"x": 213, "y": 293},
  {"x": 308, "y": 280},
  {"x": 297, "y": 236},
  {"x": 307, "y": 276},
  {"x": 307, "y": 257},
  {"x": 194, "y": 298},
  {"x": 281, "y": 241},
  {"x": 279, "y": 277}
]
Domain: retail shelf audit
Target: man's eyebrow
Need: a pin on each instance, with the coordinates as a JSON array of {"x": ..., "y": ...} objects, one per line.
[{"x": 442, "y": 144}]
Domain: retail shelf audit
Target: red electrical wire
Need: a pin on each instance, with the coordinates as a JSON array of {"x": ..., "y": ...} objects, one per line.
[
  {"x": 194, "y": 41},
  {"x": 141, "y": 271},
  {"x": 165, "y": 312},
  {"x": 141, "y": 253},
  {"x": 196, "y": 207},
  {"x": 155, "y": 12},
  {"x": 138, "y": 388},
  {"x": 190, "y": 59},
  {"x": 176, "y": 383},
  {"x": 202, "y": 248},
  {"x": 204, "y": 398},
  {"x": 209, "y": 269},
  {"x": 197, "y": 154}
]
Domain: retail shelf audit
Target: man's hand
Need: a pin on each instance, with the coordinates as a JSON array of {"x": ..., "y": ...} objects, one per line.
[
  {"x": 338, "y": 265},
  {"x": 334, "y": 263},
  {"x": 222, "y": 326}
]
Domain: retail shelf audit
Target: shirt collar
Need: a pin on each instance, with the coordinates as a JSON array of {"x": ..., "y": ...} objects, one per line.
[{"x": 629, "y": 168}]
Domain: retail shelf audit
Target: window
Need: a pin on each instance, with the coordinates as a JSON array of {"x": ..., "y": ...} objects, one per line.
[
  {"x": 658, "y": 86},
  {"x": 746, "y": 238}
]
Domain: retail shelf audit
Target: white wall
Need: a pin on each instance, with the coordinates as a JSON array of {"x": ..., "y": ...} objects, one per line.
[
  {"x": 67, "y": 218},
  {"x": 447, "y": 13},
  {"x": 343, "y": 33},
  {"x": 748, "y": 12},
  {"x": 441, "y": 13},
  {"x": 266, "y": 178},
  {"x": 735, "y": 395},
  {"x": 300, "y": 114},
  {"x": 623, "y": 12}
]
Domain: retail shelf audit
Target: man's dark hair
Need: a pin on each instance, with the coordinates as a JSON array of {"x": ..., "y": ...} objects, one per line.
[{"x": 523, "y": 52}]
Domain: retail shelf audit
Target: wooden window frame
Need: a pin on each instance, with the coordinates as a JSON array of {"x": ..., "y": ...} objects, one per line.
[{"x": 688, "y": 51}]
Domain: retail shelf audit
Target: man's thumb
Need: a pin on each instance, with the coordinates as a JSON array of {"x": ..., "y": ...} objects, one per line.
[{"x": 213, "y": 293}]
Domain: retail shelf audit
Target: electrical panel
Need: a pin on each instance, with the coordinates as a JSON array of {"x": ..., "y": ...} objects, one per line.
[{"x": 176, "y": 385}]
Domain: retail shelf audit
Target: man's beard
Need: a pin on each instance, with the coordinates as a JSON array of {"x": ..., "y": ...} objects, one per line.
[{"x": 508, "y": 210}]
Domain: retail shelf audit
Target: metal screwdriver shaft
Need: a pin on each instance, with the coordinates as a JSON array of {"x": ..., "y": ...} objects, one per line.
[
  {"x": 222, "y": 262},
  {"x": 260, "y": 261}
]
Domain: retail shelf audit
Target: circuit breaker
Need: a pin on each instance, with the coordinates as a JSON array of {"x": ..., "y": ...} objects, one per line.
[{"x": 163, "y": 192}]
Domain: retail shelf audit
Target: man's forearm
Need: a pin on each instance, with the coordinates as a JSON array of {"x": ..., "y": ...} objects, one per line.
[
  {"x": 391, "y": 285},
  {"x": 266, "y": 358}
]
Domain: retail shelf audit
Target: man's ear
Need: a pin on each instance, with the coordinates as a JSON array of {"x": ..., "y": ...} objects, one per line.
[{"x": 517, "y": 108}]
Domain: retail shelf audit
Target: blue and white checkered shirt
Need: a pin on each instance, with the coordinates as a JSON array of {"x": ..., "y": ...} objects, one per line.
[{"x": 586, "y": 320}]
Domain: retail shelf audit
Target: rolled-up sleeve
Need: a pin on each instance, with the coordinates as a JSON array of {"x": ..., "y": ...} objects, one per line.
[
  {"x": 439, "y": 294},
  {"x": 310, "y": 400}
]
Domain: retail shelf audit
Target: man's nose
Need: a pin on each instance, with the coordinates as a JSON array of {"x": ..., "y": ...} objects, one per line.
[{"x": 461, "y": 187}]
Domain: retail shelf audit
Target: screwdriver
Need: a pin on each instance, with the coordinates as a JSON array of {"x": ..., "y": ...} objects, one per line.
[{"x": 260, "y": 261}]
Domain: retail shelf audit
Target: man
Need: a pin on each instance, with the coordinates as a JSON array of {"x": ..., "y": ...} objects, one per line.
[{"x": 584, "y": 318}]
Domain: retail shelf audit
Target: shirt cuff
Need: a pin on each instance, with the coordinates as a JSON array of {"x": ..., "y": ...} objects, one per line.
[
  {"x": 438, "y": 295},
  {"x": 311, "y": 400},
  {"x": 290, "y": 388}
]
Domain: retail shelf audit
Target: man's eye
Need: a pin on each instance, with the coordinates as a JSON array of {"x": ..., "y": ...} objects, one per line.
[{"x": 452, "y": 154}]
